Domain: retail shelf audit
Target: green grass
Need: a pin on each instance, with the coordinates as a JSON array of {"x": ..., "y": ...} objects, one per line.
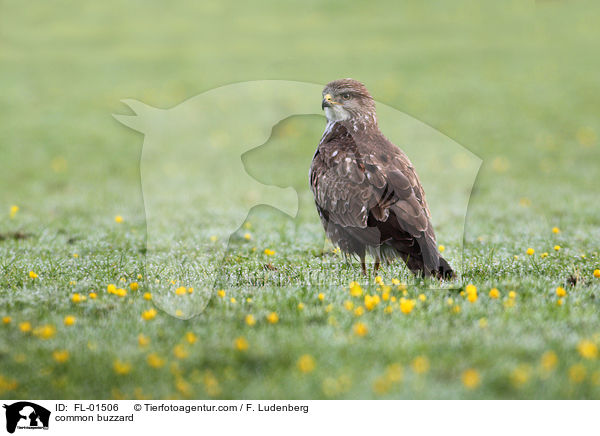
[{"x": 515, "y": 83}]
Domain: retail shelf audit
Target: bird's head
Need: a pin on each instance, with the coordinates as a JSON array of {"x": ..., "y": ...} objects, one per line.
[{"x": 348, "y": 100}]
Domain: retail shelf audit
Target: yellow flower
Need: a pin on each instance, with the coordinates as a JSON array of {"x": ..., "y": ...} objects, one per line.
[
  {"x": 241, "y": 344},
  {"x": 549, "y": 361},
  {"x": 213, "y": 238},
  {"x": 355, "y": 289},
  {"x": 587, "y": 349},
  {"x": 25, "y": 327},
  {"x": 456, "y": 309},
  {"x": 180, "y": 352},
  {"x": 348, "y": 305},
  {"x": 181, "y": 291},
  {"x": 407, "y": 305},
  {"x": 371, "y": 301},
  {"x": 360, "y": 329},
  {"x": 33, "y": 275},
  {"x": 394, "y": 373},
  {"x": 300, "y": 306},
  {"x": 544, "y": 255},
  {"x": 483, "y": 323},
  {"x": 143, "y": 340},
  {"x": 449, "y": 301},
  {"x": 379, "y": 280},
  {"x": 134, "y": 286},
  {"x": 441, "y": 248},
  {"x": 232, "y": 300},
  {"x": 560, "y": 291},
  {"x": 120, "y": 292},
  {"x": 420, "y": 364},
  {"x": 471, "y": 293},
  {"x": 93, "y": 295},
  {"x": 520, "y": 375},
  {"x": 555, "y": 230},
  {"x": 388, "y": 309},
  {"x": 221, "y": 293},
  {"x": 269, "y": 252},
  {"x": 13, "y": 211},
  {"x": 247, "y": 236},
  {"x": 139, "y": 276},
  {"x": 191, "y": 337},
  {"x": 118, "y": 219},
  {"x": 560, "y": 302},
  {"x": 512, "y": 295},
  {"x": 471, "y": 378},
  {"x": 321, "y": 296},
  {"x": 577, "y": 373},
  {"x": 121, "y": 368},
  {"x": 306, "y": 363},
  {"x": 359, "y": 311},
  {"x": 328, "y": 308},
  {"x": 494, "y": 293},
  {"x": 395, "y": 282},
  {"x": 385, "y": 296},
  {"x": 597, "y": 273},
  {"x": 69, "y": 320},
  {"x": 557, "y": 248},
  {"x": 422, "y": 297},
  {"x": 46, "y": 331},
  {"x": 149, "y": 314},
  {"x": 111, "y": 289},
  {"x": 155, "y": 361},
  {"x": 6, "y": 320},
  {"x": 273, "y": 318},
  {"x": 530, "y": 251},
  {"x": 60, "y": 356}
]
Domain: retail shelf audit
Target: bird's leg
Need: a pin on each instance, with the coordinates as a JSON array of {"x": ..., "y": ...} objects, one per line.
[
  {"x": 363, "y": 266},
  {"x": 377, "y": 264}
]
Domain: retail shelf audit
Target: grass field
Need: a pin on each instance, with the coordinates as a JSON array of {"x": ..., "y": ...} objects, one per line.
[{"x": 514, "y": 82}]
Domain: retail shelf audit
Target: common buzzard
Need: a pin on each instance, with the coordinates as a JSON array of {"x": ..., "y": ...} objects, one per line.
[{"x": 366, "y": 190}]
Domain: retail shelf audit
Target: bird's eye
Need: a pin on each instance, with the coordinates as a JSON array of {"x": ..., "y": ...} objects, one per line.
[{"x": 346, "y": 96}]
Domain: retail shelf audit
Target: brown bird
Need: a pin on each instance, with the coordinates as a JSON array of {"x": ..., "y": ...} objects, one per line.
[{"x": 367, "y": 192}]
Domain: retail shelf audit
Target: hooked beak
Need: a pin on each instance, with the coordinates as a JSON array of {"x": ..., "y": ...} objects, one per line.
[{"x": 327, "y": 102}]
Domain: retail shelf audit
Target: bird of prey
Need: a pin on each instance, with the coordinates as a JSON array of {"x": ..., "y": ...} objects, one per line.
[{"x": 366, "y": 190}]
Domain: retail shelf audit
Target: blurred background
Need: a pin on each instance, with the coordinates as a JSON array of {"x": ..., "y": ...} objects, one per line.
[{"x": 515, "y": 82}]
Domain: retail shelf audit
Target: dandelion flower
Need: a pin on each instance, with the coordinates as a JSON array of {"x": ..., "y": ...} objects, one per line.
[
  {"x": 46, "y": 331},
  {"x": 306, "y": 363},
  {"x": 149, "y": 314},
  {"x": 557, "y": 248},
  {"x": 597, "y": 273},
  {"x": 247, "y": 236},
  {"x": 549, "y": 361},
  {"x": 379, "y": 280},
  {"x": 371, "y": 301},
  {"x": 470, "y": 378},
  {"x": 348, "y": 305},
  {"x": 449, "y": 301},
  {"x": 147, "y": 296},
  {"x": 456, "y": 309},
  {"x": 407, "y": 305},
  {"x": 520, "y": 375},
  {"x": 181, "y": 291},
  {"x": 120, "y": 292},
  {"x": 544, "y": 255},
  {"x": 13, "y": 211},
  {"x": 118, "y": 219},
  {"x": 512, "y": 295},
  {"x": 360, "y": 329},
  {"x": 250, "y": 320},
  {"x": 155, "y": 361},
  {"x": 577, "y": 373},
  {"x": 494, "y": 293},
  {"x": 60, "y": 356},
  {"x": 483, "y": 323},
  {"x": 6, "y": 320},
  {"x": 561, "y": 292},
  {"x": 69, "y": 320},
  {"x": 269, "y": 252},
  {"x": 321, "y": 296},
  {"x": 111, "y": 289},
  {"x": 93, "y": 295},
  {"x": 213, "y": 238},
  {"x": 121, "y": 368},
  {"x": 191, "y": 338},
  {"x": 221, "y": 293},
  {"x": 530, "y": 251},
  {"x": 273, "y": 318},
  {"x": 422, "y": 297},
  {"x": 33, "y": 275},
  {"x": 441, "y": 248},
  {"x": 355, "y": 289},
  {"x": 388, "y": 309},
  {"x": 420, "y": 364},
  {"x": 143, "y": 340},
  {"x": 241, "y": 344},
  {"x": 587, "y": 349},
  {"x": 180, "y": 352},
  {"x": 555, "y": 230},
  {"x": 471, "y": 293},
  {"x": 300, "y": 306},
  {"x": 232, "y": 300},
  {"x": 134, "y": 286},
  {"x": 560, "y": 302},
  {"x": 25, "y": 327},
  {"x": 394, "y": 373},
  {"x": 359, "y": 311}
]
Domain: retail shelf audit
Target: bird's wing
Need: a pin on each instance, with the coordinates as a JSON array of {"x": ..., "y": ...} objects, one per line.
[{"x": 368, "y": 181}]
